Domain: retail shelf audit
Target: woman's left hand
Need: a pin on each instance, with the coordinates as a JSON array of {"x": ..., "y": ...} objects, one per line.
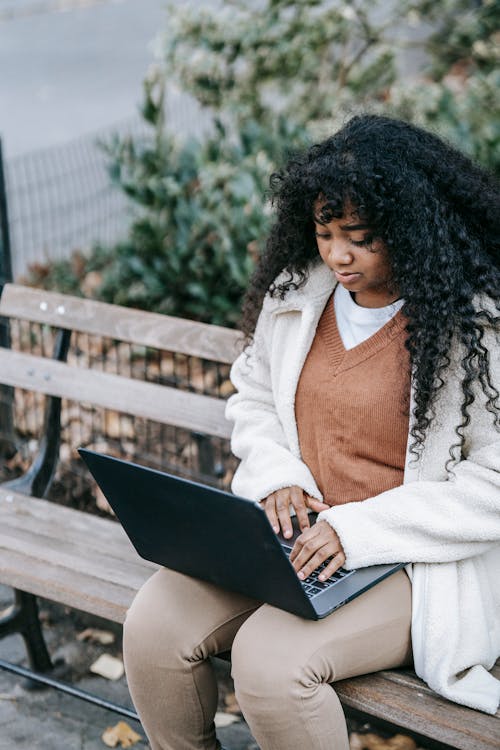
[{"x": 315, "y": 545}]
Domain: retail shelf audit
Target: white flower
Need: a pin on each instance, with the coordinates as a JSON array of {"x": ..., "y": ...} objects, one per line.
[
  {"x": 413, "y": 18},
  {"x": 480, "y": 48},
  {"x": 348, "y": 13}
]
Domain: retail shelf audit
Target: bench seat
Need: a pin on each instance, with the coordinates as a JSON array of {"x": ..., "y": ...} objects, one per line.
[
  {"x": 69, "y": 556},
  {"x": 398, "y": 698},
  {"x": 87, "y": 562}
]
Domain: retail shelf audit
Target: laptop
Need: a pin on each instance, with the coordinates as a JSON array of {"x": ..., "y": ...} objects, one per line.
[{"x": 210, "y": 534}]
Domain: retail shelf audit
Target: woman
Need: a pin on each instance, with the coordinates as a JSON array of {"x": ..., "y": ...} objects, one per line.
[{"x": 369, "y": 393}]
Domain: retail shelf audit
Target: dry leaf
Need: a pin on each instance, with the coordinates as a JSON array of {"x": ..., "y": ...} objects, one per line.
[
  {"x": 64, "y": 452},
  {"x": 105, "y": 637},
  {"x": 112, "y": 424},
  {"x": 109, "y": 667},
  {"x": 197, "y": 380},
  {"x": 375, "y": 742},
  {"x": 232, "y": 706},
  {"x": 121, "y": 734},
  {"x": 167, "y": 364},
  {"x": 226, "y": 388},
  {"x": 102, "y": 503},
  {"x": 91, "y": 283},
  {"x": 224, "y": 720},
  {"x": 118, "y": 425}
]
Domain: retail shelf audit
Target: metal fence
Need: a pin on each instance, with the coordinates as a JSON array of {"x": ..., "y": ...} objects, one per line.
[
  {"x": 61, "y": 198},
  {"x": 173, "y": 449}
]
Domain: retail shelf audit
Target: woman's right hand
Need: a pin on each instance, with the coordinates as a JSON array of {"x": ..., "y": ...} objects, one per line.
[{"x": 277, "y": 507}]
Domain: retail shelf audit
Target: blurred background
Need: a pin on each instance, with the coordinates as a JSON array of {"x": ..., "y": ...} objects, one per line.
[
  {"x": 138, "y": 137},
  {"x": 137, "y": 143}
]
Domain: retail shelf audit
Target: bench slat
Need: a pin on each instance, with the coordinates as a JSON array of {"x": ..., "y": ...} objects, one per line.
[
  {"x": 46, "y": 518},
  {"x": 69, "y": 554},
  {"x": 160, "y": 403},
  {"x": 405, "y": 701},
  {"x": 100, "y": 598},
  {"x": 69, "y": 565},
  {"x": 123, "y": 323}
]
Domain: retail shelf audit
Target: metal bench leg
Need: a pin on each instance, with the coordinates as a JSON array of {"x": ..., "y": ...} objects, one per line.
[{"x": 22, "y": 618}]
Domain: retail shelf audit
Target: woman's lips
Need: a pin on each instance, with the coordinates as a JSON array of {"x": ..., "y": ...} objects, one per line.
[{"x": 346, "y": 278}]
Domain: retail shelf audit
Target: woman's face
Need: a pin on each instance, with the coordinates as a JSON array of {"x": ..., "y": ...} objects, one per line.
[{"x": 359, "y": 260}]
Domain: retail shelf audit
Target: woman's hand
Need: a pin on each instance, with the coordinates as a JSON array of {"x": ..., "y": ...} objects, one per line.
[
  {"x": 277, "y": 507},
  {"x": 315, "y": 545}
]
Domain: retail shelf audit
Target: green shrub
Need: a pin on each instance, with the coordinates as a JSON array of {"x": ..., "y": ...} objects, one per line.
[
  {"x": 275, "y": 78},
  {"x": 203, "y": 215}
]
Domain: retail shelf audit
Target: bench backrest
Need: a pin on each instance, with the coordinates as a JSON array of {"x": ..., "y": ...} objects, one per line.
[{"x": 160, "y": 403}]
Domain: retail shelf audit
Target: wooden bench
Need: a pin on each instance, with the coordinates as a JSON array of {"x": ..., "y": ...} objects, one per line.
[{"x": 86, "y": 562}]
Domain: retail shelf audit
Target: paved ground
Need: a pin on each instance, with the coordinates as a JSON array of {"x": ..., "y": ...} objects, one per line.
[
  {"x": 71, "y": 74},
  {"x": 49, "y": 720},
  {"x": 69, "y": 67},
  {"x": 72, "y": 67}
]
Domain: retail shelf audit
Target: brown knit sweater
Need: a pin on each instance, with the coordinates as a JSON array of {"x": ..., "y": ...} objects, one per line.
[{"x": 351, "y": 409}]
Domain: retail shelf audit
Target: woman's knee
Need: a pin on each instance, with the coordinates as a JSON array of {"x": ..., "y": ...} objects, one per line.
[
  {"x": 258, "y": 667},
  {"x": 141, "y": 635},
  {"x": 154, "y": 630},
  {"x": 175, "y": 619}
]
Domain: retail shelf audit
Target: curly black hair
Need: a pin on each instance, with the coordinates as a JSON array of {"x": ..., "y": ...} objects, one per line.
[{"x": 437, "y": 213}]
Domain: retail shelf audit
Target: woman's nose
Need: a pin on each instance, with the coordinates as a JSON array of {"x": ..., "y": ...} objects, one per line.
[{"x": 339, "y": 252}]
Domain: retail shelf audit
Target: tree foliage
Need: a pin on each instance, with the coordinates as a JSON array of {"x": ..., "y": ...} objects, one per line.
[{"x": 276, "y": 75}]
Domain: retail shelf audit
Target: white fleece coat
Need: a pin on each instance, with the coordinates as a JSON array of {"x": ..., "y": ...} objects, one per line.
[{"x": 449, "y": 527}]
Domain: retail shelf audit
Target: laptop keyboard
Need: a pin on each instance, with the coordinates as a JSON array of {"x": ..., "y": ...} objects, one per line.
[{"x": 312, "y": 585}]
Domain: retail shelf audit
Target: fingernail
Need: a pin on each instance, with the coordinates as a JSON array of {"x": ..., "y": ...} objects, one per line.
[
  {"x": 287, "y": 534},
  {"x": 321, "y": 577},
  {"x": 301, "y": 575},
  {"x": 276, "y": 529}
]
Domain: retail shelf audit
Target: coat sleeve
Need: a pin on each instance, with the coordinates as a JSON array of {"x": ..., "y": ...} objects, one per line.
[
  {"x": 426, "y": 521},
  {"x": 258, "y": 438}
]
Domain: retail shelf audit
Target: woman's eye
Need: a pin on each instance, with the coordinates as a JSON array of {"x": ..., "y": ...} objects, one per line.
[
  {"x": 366, "y": 242},
  {"x": 322, "y": 236}
]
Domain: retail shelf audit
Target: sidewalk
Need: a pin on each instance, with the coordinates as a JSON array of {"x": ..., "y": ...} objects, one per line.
[{"x": 49, "y": 720}]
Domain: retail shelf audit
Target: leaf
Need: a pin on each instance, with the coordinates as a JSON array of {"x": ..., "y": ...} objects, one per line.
[
  {"x": 104, "y": 637},
  {"x": 232, "y": 706},
  {"x": 224, "y": 720},
  {"x": 373, "y": 741},
  {"x": 108, "y": 667},
  {"x": 121, "y": 734},
  {"x": 102, "y": 504}
]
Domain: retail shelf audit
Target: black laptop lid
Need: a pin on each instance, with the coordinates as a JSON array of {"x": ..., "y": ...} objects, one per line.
[{"x": 195, "y": 530}]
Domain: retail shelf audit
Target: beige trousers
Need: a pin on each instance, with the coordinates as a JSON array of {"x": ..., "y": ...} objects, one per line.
[{"x": 282, "y": 665}]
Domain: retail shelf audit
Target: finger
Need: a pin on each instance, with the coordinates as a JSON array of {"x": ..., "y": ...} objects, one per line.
[
  {"x": 306, "y": 538},
  {"x": 299, "y": 503},
  {"x": 316, "y": 505},
  {"x": 314, "y": 562},
  {"x": 335, "y": 563},
  {"x": 317, "y": 538},
  {"x": 270, "y": 508},
  {"x": 283, "y": 511},
  {"x": 307, "y": 553},
  {"x": 297, "y": 547},
  {"x": 307, "y": 545}
]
